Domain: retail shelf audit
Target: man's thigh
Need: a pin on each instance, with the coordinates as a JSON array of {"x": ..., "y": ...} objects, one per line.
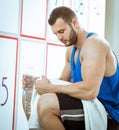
[{"x": 48, "y": 102}]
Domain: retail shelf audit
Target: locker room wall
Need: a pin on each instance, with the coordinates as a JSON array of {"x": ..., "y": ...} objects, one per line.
[
  {"x": 27, "y": 45},
  {"x": 112, "y": 24}
]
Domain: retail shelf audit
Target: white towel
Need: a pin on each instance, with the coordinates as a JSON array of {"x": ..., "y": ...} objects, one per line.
[
  {"x": 33, "y": 120},
  {"x": 95, "y": 114}
]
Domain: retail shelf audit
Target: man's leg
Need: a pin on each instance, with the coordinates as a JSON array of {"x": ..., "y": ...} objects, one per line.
[{"x": 49, "y": 112}]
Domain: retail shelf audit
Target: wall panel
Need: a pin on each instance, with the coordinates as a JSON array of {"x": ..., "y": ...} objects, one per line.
[
  {"x": 9, "y": 10},
  {"x": 32, "y": 61},
  {"x": 34, "y": 18},
  {"x": 8, "y": 65},
  {"x": 55, "y": 60}
]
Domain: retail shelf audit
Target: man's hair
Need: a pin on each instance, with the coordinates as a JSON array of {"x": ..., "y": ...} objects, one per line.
[{"x": 61, "y": 12}]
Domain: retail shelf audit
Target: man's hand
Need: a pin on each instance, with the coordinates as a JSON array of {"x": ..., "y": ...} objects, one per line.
[
  {"x": 28, "y": 81},
  {"x": 43, "y": 85}
]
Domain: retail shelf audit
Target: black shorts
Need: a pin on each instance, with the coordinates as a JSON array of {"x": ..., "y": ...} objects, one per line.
[{"x": 72, "y": 114}]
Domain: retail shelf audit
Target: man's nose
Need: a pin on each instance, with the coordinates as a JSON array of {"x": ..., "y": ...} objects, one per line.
[{"x": 59, "y": 36}]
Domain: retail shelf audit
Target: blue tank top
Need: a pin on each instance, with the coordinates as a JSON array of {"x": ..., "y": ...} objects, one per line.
[{"x": 109, "y": 89}]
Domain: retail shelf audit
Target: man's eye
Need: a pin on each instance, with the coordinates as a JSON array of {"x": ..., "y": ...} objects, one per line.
[{"x": 62, "y": 31}]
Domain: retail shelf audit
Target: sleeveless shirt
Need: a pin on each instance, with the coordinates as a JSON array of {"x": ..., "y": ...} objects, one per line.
[{"x": 109, "y": 89}]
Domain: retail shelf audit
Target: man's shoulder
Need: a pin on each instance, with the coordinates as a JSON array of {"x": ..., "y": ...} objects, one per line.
[
  {"x": 96, "y": 42},
  {"x": 95, "y": 45}
]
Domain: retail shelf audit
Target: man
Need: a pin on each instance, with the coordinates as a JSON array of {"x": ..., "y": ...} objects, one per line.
[{"x": 92, "y": 68}]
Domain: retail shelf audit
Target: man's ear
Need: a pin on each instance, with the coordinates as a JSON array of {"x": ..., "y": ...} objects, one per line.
[{"x": 75, "y": 22}]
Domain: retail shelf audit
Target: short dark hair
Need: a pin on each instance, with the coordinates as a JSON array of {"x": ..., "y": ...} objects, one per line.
[{"x": 61, "y": 12}]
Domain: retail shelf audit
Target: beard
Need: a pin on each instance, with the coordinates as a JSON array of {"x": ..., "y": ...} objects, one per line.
[{"x": 72, "y": 37}]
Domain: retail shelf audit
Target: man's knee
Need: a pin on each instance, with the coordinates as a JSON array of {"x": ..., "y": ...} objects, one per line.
[{"x": 48, "y": 104}]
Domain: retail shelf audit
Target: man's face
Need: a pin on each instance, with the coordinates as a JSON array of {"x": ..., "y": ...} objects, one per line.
[{"x": 64, "y": 32}]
